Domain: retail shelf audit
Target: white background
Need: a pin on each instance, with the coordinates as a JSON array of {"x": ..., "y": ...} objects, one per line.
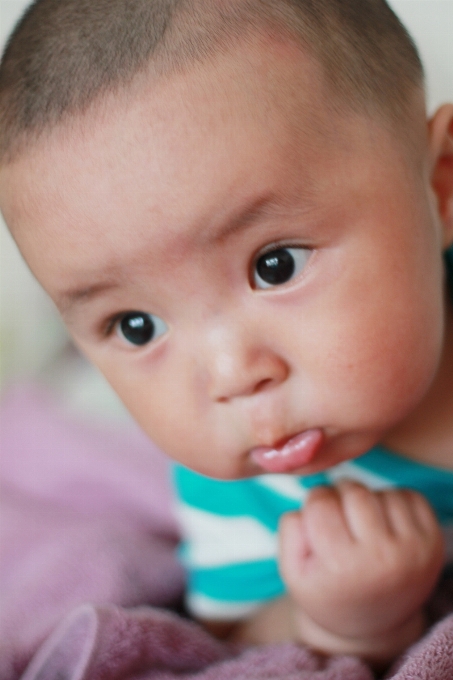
[{"x": 30, "y": 331}]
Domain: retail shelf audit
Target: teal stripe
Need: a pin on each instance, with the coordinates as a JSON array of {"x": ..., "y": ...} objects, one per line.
[
  {"x": 238, "y": 498},
  {"x": 247, "y": 497},
  {"x": 436, "y": 484},
  {"x": 245, "y": 582},
  {"x": 312, "y": 481}
]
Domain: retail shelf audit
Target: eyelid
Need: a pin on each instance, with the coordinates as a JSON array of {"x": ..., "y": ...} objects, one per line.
[
  {"x": 109, "y": 327},
  {"x": 276, "y": 245}
]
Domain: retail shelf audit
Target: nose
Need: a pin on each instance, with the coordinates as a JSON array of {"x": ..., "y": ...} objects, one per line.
[{"x": 241, "y": 364}]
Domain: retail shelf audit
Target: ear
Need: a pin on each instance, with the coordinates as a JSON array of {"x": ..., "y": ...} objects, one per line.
[{"x": 440, "y": 130}]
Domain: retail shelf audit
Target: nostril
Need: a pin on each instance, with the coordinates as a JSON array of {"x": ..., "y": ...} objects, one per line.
[
  {"x": 259, "y": 387},
  {"x": 262, "y": 384}
]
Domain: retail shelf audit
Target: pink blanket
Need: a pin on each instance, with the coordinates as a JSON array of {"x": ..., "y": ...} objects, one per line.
[{"x": 90, "y": 587}]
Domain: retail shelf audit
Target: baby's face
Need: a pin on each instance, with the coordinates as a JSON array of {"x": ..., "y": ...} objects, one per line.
[{"x": 243, "y": 265}]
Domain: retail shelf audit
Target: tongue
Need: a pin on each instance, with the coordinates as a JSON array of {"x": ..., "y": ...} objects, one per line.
[{"x": 295, "y": 453}]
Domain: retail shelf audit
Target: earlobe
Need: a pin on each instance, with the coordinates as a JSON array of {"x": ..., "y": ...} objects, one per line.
[{"x": 441, "y": 154}]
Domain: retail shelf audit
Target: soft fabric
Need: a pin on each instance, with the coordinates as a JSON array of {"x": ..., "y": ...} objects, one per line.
[
  {"x": 111, "y": 643},
  {"x": 86, "y": 518}
]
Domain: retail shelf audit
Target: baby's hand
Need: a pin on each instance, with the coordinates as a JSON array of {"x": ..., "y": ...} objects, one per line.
[{"x": 359, "y": 565}]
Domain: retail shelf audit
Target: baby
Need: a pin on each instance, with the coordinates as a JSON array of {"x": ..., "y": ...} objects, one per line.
[{"x": 245, "y": 220}]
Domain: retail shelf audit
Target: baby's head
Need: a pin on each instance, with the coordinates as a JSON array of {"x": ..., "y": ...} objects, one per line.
[{"x": 240, "y": 211}]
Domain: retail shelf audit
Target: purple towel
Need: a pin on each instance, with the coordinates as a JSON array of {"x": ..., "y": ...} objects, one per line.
[
  {"x": 110, "y": 643},
  {"x": 88, "y": 567}
]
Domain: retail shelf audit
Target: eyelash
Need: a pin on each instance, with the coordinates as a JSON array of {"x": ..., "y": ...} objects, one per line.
[
  {"x": 108, "y": 327},
  {"x": 276, "y": 246}
]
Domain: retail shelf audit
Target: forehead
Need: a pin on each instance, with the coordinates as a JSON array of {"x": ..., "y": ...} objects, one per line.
[{"x": 165, "y": 164}]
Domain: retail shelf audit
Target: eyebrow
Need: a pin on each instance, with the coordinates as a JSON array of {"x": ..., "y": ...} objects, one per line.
[
  {"x": 246, "y": 217},
  {"x": 67, "y": 300},
  {"x": 241, "y": 220}
]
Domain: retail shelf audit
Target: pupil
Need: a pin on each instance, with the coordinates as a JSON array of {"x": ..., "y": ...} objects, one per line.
[
  {"x": 137, "y": 328},
  {"x": 276, "y": 267}
]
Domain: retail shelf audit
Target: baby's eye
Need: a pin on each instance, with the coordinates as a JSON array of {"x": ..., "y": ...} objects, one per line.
[
  {"x": 139, "y": 328},
  {"x": 279, "y": 266}
]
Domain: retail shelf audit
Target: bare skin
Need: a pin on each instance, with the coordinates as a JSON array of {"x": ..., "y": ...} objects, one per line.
[{"x": 162, "y": 201}]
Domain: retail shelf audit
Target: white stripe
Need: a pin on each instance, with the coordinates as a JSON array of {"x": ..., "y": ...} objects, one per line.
[
  {"x": 214, "y": 540},
  {"x": 285, "y": 485},
  {"x": 207, "y": 608},
  {"x": 350, "y": 470}
]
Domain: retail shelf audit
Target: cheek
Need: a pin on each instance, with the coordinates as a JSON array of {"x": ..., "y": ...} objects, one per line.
[
  {"x": 159, "y": 406},
  {"x": 380, "y": 352},
  {"x": 161, "y": 395},
  {"x": 165, "y": 407},
  {"x": 148, "y": 398}
]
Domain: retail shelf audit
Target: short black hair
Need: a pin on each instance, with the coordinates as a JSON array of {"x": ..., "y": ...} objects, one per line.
[{"x": 65, "y": 54}]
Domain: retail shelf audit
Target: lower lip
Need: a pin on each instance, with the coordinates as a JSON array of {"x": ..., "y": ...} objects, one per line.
[{"x": 294, "y": 454}]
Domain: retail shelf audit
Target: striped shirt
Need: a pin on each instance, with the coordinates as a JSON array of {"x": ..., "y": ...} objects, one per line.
[{"x": 230, "y": 527}]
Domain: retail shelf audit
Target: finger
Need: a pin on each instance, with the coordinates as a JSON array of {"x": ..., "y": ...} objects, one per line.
[
  {"x": 415, "y": 526},
  {"x": 408, "y": 510},
  {"x": 326, "y": 525},
  {"x": 364, "y": 511},
  {"x": 423, "y": 512},
  {"x": 402, "y": 519}
]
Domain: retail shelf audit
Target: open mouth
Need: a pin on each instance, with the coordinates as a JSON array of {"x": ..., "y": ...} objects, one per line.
[{"x": 292, "y": 454}]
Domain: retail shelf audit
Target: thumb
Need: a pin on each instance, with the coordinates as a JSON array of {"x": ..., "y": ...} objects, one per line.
[{"x": 294, "y": 547}]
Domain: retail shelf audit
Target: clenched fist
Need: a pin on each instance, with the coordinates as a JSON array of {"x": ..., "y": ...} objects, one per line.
[{"x": 359, "y": 566}]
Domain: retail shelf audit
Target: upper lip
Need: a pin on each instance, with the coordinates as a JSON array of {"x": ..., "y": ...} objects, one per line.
[{"x": 274, "y": 443}]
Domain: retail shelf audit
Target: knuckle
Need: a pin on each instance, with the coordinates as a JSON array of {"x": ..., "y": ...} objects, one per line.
[
  {"x": 319, "y": 500},
  {"x": 351, "y": 485},
  {"x": 319, "y": 494},
  {"x": 398, "y": 495},
  {"x": 416, "y": 499},
  {"x": 350, "y": 488}
]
